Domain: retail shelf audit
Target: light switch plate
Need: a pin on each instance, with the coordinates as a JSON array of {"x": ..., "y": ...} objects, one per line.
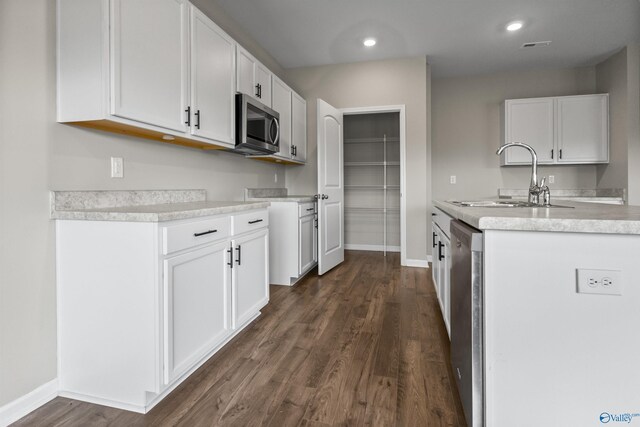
[
  {"x": 452, "y": 179},
  {"x": 602, "y": 282}
]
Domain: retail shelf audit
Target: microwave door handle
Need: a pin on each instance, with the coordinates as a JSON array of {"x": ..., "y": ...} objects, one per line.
[{"x": 274, "y": 140}]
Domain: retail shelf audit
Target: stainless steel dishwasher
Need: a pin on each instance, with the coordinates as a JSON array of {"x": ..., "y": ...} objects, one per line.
[{"x": 467, "y": 319}]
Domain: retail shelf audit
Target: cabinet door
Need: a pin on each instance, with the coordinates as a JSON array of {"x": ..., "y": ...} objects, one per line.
[
  {"x": 306, "y": 233},
  {"x": 299, "y": 126},
  {"x": 212, "y": 80},
  {"x": 529, "y": 121},
  {"x": 582, "y": 129},
  {"x": 315, "y": 239},
  {"x": 435, "y": 260},
  {"x": 250, "y": 275},
  {"x": 245, "y": 77},
  {"x": 196, "y": 306},
  {"x": 149, "y": 78},
  {"x": 281, "y": 97},
  {"x": 446, "y": 284},
  {"x": 263, "y": 78}
]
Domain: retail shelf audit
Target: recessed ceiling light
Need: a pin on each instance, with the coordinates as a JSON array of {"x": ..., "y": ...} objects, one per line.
[
  {"x": 168, "y": 137},
  {"x": 369, "y": 42},
  {"x": 514, "y": 26}
]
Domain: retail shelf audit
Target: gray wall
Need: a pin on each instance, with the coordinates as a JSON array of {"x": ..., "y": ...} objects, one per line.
[
  {"x": 466, "y": 131},
  {"x": 619, "y": 75},
  {"x": 633, "y": 88},
  {"x": 612, "y": 79},
  {"x": 366, "y": 84},
  {"x": 37, "y": 155}
]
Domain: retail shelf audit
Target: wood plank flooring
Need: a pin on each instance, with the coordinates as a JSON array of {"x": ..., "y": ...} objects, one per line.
[{"x": 364, "y": 344}]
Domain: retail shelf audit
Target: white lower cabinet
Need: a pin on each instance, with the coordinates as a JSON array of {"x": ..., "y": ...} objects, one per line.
[
  {"x": 293, "y": 241},
  {"x": 197, "y": 301},
  {"x": 307, "y": 243},
  {"x": 141, "y": 305},
  {"x": 250, "y": 275},
  {"x": 441, "y": 264}
]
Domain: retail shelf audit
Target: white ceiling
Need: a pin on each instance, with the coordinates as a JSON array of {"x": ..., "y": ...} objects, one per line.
[{"x": 458, "y": 36}]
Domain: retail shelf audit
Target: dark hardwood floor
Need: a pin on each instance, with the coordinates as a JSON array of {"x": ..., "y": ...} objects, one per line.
[{"x": 364, "y": 344}]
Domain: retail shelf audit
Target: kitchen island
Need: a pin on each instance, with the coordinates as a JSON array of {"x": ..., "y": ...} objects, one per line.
[{"x": 557, "y": 352}]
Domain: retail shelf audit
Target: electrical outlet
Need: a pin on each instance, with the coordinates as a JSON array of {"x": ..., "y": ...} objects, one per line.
[
  {"x": 552, "y": 179},
  {"x": 117, "y": 167},
  {"x": 604, "y": 282},
  {"x": 275, "y": 177},
  {"x": 452, "y": 179}
]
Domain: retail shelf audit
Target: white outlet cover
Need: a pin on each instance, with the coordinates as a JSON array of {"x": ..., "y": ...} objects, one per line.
[
  {"x": 117, "y": 167},
  {"x": 452, "y": 179},
  {"x": 601, "y": 282}
]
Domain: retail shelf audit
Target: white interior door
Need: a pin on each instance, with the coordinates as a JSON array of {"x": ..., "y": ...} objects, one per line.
[{"x": 330, "y": 188}]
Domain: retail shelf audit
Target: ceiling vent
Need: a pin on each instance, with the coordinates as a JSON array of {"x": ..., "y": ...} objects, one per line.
[{"x": 535, "y": 44}]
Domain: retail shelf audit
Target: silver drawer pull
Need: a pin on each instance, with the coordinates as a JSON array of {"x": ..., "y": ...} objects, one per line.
[
  {"x": 204, "y": 232},
  {"x": 255, "y": 222}
]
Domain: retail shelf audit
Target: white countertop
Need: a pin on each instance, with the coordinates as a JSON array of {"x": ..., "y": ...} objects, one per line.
[
  {"x": 157, "y": 213},
  {"x": 298, "y": 199},
  {"x": 582, "y": 218},
  {"x": 141, "y": 205}
]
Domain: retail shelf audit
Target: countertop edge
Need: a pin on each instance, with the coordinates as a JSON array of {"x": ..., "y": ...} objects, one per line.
[
  {"x": 178, "y": 214},
  {"x": 565, "y": 225}
]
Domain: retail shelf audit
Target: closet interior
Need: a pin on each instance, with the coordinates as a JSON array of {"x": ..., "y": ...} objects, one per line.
[{"x": 372, "y": 181}]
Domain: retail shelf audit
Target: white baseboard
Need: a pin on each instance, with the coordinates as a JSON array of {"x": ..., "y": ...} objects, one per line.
[
  {"x": 429, "y": 258},
  {"x": 423, "y": 263},
  {"x": 376, "y": 248},
  {"x": 13, "y": 411}
]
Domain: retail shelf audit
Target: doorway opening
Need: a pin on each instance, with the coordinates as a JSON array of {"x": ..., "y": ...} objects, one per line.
[{"x": 374, "y": 179}]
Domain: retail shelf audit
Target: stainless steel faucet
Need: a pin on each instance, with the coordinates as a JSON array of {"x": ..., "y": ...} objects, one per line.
[{"x": 535, "y": 189}]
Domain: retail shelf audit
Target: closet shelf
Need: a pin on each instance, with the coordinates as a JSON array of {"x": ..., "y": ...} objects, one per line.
[
  {"x": 372, "y": 163},
  {"x": 363, "y": 209},
  {"x": 372, "y": 187},
  {"x": 369, "y": 140}
]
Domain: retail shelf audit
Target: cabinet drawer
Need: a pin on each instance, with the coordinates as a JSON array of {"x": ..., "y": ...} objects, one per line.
[
  {"x": 442, "y": 220},
  {"x": 250, "y": 221},
  {"x": 183, "y": 236},
  {"x": 305, "y": 209}
]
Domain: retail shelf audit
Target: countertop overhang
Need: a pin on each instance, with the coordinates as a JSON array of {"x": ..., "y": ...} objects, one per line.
[
  {"x": 141, "y": 206},
  {"x": 580, "y": 218},
  {"x": 298, "y": 199}
]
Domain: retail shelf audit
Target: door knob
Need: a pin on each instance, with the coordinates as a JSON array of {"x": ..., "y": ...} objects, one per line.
[{"x": 324, "y": 197}]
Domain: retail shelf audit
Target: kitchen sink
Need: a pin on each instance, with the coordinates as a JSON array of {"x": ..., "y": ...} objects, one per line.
[{"x": 500, "y": 204}]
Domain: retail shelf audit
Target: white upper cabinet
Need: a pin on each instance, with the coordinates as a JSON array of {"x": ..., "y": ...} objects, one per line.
[
  {"x": 292, "y": 109},
  {"x": 157, "y": 69},
  {"x": 529, "y": 121},
  {"x": 253, "y": 78},
  {"x": 562, "y": 130},
  {"x": 299, "y": 127},
  {"x": 281, "y": 102},
  {"x": 245, "y": 73},
  {"x": 149, "y": 61},
  {"x": 212, "y": 80},
  {"x": 582, "y": 129}
]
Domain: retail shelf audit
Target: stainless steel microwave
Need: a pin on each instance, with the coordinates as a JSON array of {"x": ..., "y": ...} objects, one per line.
[{"x": 257, "y": 127}]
